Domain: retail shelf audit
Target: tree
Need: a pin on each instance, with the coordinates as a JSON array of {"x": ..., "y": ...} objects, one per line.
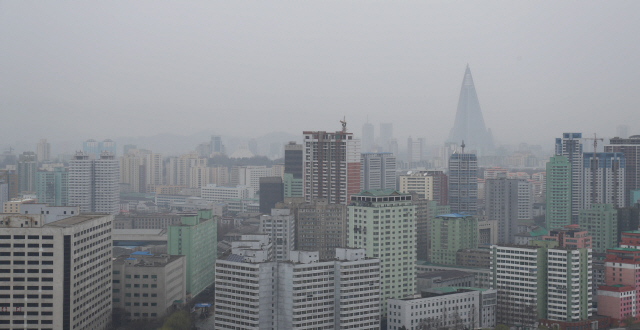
[
  {"x": 179, "y": 320},
  {"x": 502, "y": 327}
]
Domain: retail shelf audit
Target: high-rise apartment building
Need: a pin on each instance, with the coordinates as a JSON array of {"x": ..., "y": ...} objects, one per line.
[
  {"x": 281, "y": 227},
  {"x": 293, "y": 153},
  {"x": 368, "y": 137},
  {"x": 377, "y": 170},
  {"x": 417, "y": 183},
  {"x": 179, "y": 170},
  {"x": 386, "y": 134},
  {"x": 415, "y": 151},
  {"x": 52, "y": 187},
  {"x": 199, "y": 176},
  {"x": 216, "y": 145},
  {"x": 43, "y": 150},
  {"x": 331, "y": 165},
  {"x": 431, "y": 185},
  {"x": 558, "y": 194},
  {"x": 383, "y": 222},
  {"x": 449, "y": 233},
  {"x": 630, "y": 149},
  {"x": 509, "y": 202},
  {"x": 56, "y": 275},
  {"x": 426, "y": 210},
  {"x": 570, "y": 146},
  {"x": 271, "y": 193},
  {"x": 94, "y": 148},
  {"x": 606, "y": 174},
  {"x": 440, "y": 186},
  {"x": 392, "y": 146},
  {"x": 195, "y": 238},
  {"x": 132, "y": 173},
  {"x": 302, "y": 292},
  {"x": 463, "y": 183},
  {"x": 27, "y": 168},
  {"x": 320, "y": 226},
  {"x": 601, "y": 221},
  {"x": 154, "y": 168},
  {"x": 550, "y": 282},
  {"x": 93, "y": 183},
  {"x": 10, "y": 179}
]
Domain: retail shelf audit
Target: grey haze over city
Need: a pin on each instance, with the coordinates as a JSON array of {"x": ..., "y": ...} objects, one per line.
[{"x": 71, "y": 71}]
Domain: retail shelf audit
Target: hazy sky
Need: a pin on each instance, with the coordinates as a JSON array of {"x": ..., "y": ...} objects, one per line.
[{"x": 72, "y": 69}]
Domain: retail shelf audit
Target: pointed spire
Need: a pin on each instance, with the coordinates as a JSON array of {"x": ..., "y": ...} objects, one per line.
[{"x": 469, "y": 123}]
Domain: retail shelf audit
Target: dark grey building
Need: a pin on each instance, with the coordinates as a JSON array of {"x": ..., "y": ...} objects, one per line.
[
  {"x": 463, "y": 183},
  {"x": 293, "y": 159},
  {"x": 27, "y": 168},
  {"x": 271, "y": 192}
]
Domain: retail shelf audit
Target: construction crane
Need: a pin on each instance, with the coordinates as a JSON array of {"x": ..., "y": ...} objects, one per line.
[{"x": 594, "y": 165}]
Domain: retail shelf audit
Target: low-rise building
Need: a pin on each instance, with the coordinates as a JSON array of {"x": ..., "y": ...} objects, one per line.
[
  {"x": 13, "y": 206},
  {"x": 479, "y": 258},
  {"x": 148, "y": 286},
  {"x": 145, "y": 220},
  {"x": 444, "y": 308},
  {"x": 51, "y": 213},
  {"x": 482, "y": 276},
  {"x": 444, "y": 278}
]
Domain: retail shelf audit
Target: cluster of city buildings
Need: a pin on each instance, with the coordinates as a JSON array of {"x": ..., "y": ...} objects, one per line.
[{"x": 341, "y": 235}]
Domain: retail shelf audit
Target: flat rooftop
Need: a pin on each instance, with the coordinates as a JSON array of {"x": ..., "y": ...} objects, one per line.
[
  {"x": 77, "y": 219},
  {"x": 444, "y": 274}
]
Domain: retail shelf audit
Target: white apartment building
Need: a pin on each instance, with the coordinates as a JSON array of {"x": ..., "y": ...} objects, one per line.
[
  {"x": 280, "y": 226},
  {"x": 93, "y": 183},
  {"x": 59, "y": 274},
  {"x": 179, "y": 171},
  {"x": 419, "y": 183},
  {"x": 200, "y": 176},
  {"x": 215, "y": 193},
  {"x": 609, "y": 179},
  {"x": 542, "y": 283},
  {"x": 446, "y": 307},
  {"x": 249, "y": 175},
  {"x": 377, "y": 170},
  {"x": 253, "y": 292}
]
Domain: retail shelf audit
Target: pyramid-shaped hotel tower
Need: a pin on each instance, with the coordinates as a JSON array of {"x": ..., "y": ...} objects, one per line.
[{"x": 469, "y": 125}]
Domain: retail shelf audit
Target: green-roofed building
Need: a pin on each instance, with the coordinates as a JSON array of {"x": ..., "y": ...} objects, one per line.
[
  {"x": 383, "y": 222},
  {"x": 558, "y": 194},
  {"x": 449, "y": 233},
  {"x": 601, "y": 221},
  {"x": 196, "y": 238}
]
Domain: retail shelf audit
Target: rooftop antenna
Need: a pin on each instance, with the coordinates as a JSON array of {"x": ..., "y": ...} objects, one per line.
[
  {"x": 462, "y": 145},
  {"x": 594, "y": 164},
  {"x": 344, "y": 124}
]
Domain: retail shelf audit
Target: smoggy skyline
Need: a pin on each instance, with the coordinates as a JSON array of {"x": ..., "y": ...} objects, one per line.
[{"x": 73, "y": 71}]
